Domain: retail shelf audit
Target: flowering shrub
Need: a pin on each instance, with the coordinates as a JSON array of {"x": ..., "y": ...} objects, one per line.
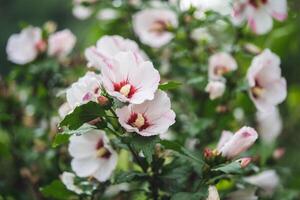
[{"x": 171, "y": 101}]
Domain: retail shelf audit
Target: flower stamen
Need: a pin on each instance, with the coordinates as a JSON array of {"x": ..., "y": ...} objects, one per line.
[{"x": 139, "y": 121}]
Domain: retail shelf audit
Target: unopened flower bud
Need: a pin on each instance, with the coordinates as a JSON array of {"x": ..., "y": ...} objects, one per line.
[
  {"x": 102, "y": 100},
  {"x": 41, "y": 46},
  {"x": 215, "y": 89},
  {"x": 251, "y": 48},
  {"x": 239, "y": 142},
  {"x": 50, "y": 26},
  {"x": 278, "y": 153},
  {"x": 244, "y": 162},
  {"x": 208, "y": 153}
]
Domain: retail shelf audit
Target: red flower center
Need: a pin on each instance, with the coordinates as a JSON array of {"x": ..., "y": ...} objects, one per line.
[
  {"x": 159, "y": 26},
  {"x": 125, "y": 88},
  {"x": 139, "y": 121},
  {"x": 102, "y": 152},
  {"x": 257, "y": 3},
  {"x": 221, "y": 70}
]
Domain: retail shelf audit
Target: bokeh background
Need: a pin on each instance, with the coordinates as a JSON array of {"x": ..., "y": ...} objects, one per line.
[{"x": 285, "y": 41}]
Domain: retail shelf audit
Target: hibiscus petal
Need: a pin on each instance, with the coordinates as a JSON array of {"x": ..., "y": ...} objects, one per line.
[{"x": 260, "y": 22}]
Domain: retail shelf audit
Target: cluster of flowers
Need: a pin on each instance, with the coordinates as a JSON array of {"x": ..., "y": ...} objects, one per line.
[
  {"x": 130, "y": 78},
  {"x": 267, "y": 87},
  {"x": 127, "y": 75},
  {"x": 231, "y": 146},
  {"x": 24, "y": 47},
  {"x": 257, "y": 13}
]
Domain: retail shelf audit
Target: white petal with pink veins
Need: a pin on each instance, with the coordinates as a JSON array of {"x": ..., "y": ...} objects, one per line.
[
  {"x": 22, "y": 47},
  {"x": 278, "y": 9},
  {"x": 153, "y": 34},
  {"x": 130, "y": 80},
  {"x": 160, "y": 125},
  {"x": 275, "y": 92},
  {"x": 260, "y": 21},
  {"x": 61, "y": 43},
  {"x": 84, "y": 145},
  {"x": 220, "y": 64},
  {"x": 92, "y": 155},
  {"x": 107, "y": 47},
  {"x": 106, "y": 168},
  {"x": 86, "y": 89},
  {"x": 86, "y": 166},
  {"x": 155, "y": 114},
  {"x": 267, "y": 87}
]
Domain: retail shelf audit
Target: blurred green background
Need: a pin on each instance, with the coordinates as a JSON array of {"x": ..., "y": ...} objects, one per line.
[{"x": 285, "y": 41}]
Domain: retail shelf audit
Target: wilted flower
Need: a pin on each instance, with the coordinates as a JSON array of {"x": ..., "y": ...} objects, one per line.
[
  {"x": 213, "y": 193},
  {"x": 86, "y": 89},
  {"x": 92, "y": 155},
  {"x": 243, "y": 194},
  {"x": 107, "y": 47},
  {"x": 61, "y": 43},
  {"x": 215, "y": 89},
  {"x": 267, "y": 180},
  {"x": 267, "y": 87},
  {"x": 23, "y": 47},
  {"x": 232, "y": 146},
  {"x": 220, "y": 64},
  {"x": 149, "y": 118},
  {"x": 67, "y": 179},
  {"x": 259, "y": 13},
  {"x": 82, "y": 12},
  {"x": 269, "y": 124},
  {"x": 152, "y": 26},
  {"x": 130, "y": 80}
]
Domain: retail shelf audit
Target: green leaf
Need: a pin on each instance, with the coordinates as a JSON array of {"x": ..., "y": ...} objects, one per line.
[
  {"x": 233, "y": 167},
  {"x": 83, "y": 114},
  {"x": 63, "y": 138},
  {"x": 144, "y": 144},
  {"x": 60, "y": 139},
  {"x": 180, "y": 150},
  {"x": 169, "y": 85},
  {"x": 188, "y": 196},
  {"x": 56, "y": 190},
  {"x": 130, "y": 176}
]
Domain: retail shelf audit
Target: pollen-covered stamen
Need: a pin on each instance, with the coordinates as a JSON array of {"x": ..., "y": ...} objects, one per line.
[
  {"x": 125, "y": 88},
  {"x": 257, "y": 90},
  {"x": 139, "y": 121},
  {"x": 102, "y": 151}
]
